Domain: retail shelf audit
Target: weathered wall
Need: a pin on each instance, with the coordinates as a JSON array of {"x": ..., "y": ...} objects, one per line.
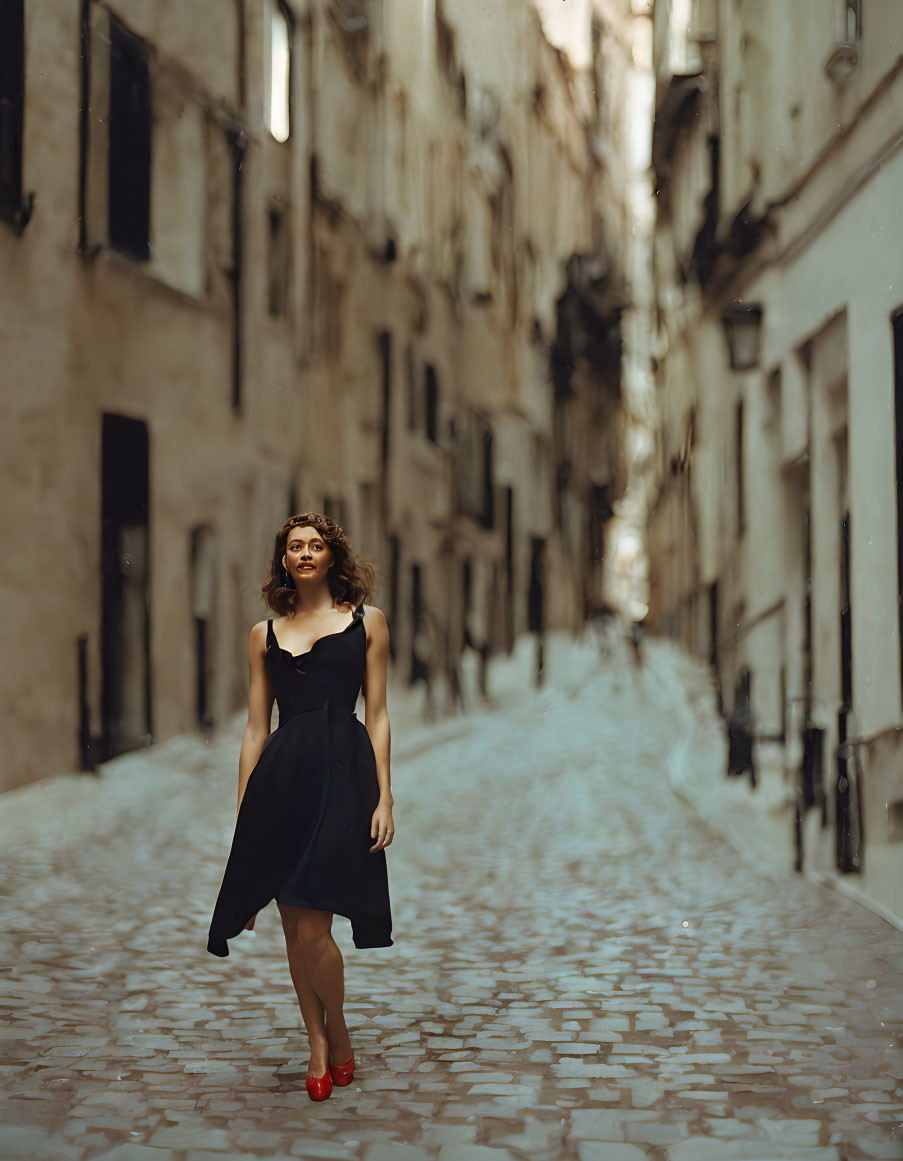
[
  {"x": 814, "y": 166},
  {"x": 437, "y": 178}
]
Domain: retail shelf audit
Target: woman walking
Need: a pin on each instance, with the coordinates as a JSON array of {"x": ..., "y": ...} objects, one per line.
[{"x": 314, "y": 799}]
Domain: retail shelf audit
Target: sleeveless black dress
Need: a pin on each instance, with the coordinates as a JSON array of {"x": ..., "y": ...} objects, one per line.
[{"x": 302, "y": 835}]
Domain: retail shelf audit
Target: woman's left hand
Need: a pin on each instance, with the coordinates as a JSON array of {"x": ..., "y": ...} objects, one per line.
[{"x": 382, "y": 828}]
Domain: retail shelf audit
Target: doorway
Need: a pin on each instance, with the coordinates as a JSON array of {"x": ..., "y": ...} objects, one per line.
[
  {"x": 125, "y": 615},
  {"x": 203, "y": 570}
]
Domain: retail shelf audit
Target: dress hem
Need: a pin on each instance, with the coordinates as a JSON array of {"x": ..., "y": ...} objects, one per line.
[
  {"x": 358, "y": 921},
  {"x": 362, "y": 945}
]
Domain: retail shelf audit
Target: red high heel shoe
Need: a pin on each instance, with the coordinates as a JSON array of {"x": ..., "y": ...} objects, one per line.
[
  {"x": 343, "y": 1074},
  {"x": 319, "y": 1087}
]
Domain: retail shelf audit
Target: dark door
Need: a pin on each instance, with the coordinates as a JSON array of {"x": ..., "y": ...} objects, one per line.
[
  {"x": 125, "y": 622},
  {"x": 847, "y": 786},
  {"x": 508, "y": 606},
  {"x": 203, "y": 601}
]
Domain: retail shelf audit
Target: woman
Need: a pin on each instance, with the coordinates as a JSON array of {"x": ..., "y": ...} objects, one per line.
[{"x": 314, "y": 800}]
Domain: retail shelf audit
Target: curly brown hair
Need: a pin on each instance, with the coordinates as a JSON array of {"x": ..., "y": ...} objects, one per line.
[{"x": 350, "y": 579}]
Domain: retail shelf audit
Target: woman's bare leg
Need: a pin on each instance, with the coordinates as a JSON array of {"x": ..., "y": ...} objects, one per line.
[
  {"x": 326, "y": 972},
  {"x": 312, "y": 1010}
]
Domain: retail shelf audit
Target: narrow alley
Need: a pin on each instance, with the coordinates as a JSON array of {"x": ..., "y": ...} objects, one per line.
[{"x": 581, "y": 968}]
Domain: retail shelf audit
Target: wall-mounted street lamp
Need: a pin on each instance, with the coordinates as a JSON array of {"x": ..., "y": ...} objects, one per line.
[{"x": 742, "y": 324}]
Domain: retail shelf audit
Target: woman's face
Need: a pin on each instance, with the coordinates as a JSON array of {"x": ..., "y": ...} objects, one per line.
[{"x": 307, "y": 556}]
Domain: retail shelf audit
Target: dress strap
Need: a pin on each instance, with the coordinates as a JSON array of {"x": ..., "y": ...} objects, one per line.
[{"x": 271, "y": 636}]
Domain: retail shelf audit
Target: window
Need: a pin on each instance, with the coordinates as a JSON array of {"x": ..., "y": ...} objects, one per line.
[
  {"x": 897, "y": 323},
  {"x": 394, "y": 581},
  {"x": 741, "y": 499},
  {"x": 714, "y": 642},
  {"x": 149, "y": 157},
  {"x": 126, "y": 686},
  {"x": 277, "y": 264},
  {"x": 412, "y": 389},
  {"x": 843, "y": 58},
  {"x": 236, "y": 272},
  {"x": 846, "y": 630},
  {"x": 203, "y": 573},
  {"x": 849, "y": 20},
  {"x": 12, "y": 101},
  {"x": 130, "y": 143},
  {"x": 385, "y": 360},
  {"x": 466, "y": 602},
  {"x": 419, "y": 641},
  {"x": 600, "y": 512},
  {"x": 431, "y": 402},
  {"x": 278, "y": 69},
  {"x": 773, "y": 409},
  {"x": 487, "y": 516},
  {"x": 535, "y": 589}
]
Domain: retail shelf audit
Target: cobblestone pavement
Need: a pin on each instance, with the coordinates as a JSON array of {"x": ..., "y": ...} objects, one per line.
[{"x": 580, "y": 969}]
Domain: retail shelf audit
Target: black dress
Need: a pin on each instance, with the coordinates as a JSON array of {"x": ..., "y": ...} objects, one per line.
[{"x": 302, "y": 835}]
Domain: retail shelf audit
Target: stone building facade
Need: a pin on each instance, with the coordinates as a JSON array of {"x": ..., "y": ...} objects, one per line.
[
  {"x": 775, "y": 540},
  {"x": 261, "y": 257}
]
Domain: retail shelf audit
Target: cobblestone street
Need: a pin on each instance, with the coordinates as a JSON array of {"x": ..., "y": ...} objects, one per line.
[{"x": 580, "y": 970}]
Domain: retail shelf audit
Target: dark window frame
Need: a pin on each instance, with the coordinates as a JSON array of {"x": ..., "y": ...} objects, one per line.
[
  {"x": 12, "y": 115},
  {"x": 741, "y": 493},
  {"x": 487, "y": 513},
  {"x": 278, "y": 252},
  {"x": 238, "y": 143},
  {"x": 411, "y": 382},
  {"x": 431, "y": 403},
  {"x": 130, "y": 129},
  {"x": 897, "y": 339},
  {"x": 384, "y": 341}
]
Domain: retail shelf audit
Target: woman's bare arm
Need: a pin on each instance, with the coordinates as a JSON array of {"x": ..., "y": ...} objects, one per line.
[
  {"x": 376, "y": 719},
  {"x": 260, "y": 707}
]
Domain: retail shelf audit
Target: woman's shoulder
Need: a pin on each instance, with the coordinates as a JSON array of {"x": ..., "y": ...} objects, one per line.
[
  {"x": 257, "y": 638},
  {"x": 374, "y": 621}
]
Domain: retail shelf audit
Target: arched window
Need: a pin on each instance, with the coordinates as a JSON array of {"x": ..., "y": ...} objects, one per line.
[{"x": 278, "y": 68}]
